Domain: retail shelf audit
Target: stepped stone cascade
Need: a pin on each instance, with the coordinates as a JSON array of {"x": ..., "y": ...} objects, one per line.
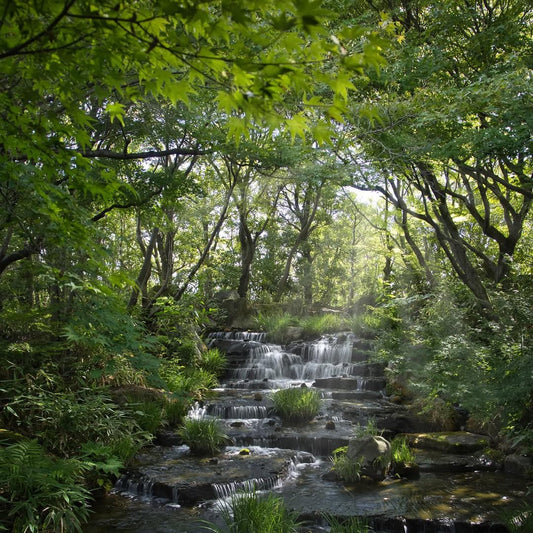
[
  {"x": 263, "y": 366},
  {"x": 460, "y": 487}
]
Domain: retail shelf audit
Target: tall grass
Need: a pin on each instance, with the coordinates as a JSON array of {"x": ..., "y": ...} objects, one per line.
[
  {"x": 276, "y": 325},
  {"x": 316, "y": 325},
  {"x": 401, "y": 453},
  {"x": 346, "y": 469},
  {"x": 296, "y": 406},
  {"x": 204, "y": 436},
  {"x": 253, "y": 513}
]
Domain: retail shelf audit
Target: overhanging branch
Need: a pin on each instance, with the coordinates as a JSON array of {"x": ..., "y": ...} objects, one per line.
[{"x": 109, "y": 154}]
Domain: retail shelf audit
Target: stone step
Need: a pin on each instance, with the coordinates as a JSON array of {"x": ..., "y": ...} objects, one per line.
[
  {"x": 173, "y": 475},
  {"x": 351, "y": 383}
]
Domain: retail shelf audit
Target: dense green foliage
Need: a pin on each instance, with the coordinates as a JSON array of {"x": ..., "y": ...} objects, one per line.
[
  {"x": 40, "y": 492},
  {"x": 168, "y": 167}
]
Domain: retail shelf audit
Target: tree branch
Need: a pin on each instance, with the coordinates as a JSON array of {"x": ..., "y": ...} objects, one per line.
[{"x": 109, "y": 154}]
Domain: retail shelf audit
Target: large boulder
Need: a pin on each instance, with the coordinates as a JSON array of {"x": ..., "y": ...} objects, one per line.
[{"x": 372, "y": 453}]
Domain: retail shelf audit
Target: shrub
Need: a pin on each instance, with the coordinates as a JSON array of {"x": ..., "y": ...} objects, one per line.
[
  {"x": 347, "y": 470},
  {"x": 204, "y": 436},
  {"x": 296, "y": 405},
  {"x": 194, "y": 382},
  {"x": 251, "y": 513},
  {"x": 520, "y": 520},
  {"x": 175, "y": 410},
  {"x": 41, "y": 493},
  {"x": 64, "y": 421}
]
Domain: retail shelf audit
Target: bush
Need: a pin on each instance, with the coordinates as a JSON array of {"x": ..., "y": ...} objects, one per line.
[
  {"x": 41, "y": 493},
  {"x": 203, "y": 436},
  {"x": 520, "y": 520},
  {"x": 251, "y": 513},
  {"x": 194, "y": 382},
  {"x": 64, "y": 421},
  {"x": 296, "y": 406},
  {"x": 175, "y": 410}
]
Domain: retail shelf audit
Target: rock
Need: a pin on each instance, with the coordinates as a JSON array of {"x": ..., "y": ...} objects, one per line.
[
  {"x": 167, "y": 438},
  {"x": 374, "y": 454},
  {"x": 330, "y": 425},
  {"x": 450, "y": 441},
  {"x": 350, "y": 383},
  {"x": 518, "y": 465},
  {"x": 436, "y": 461}
]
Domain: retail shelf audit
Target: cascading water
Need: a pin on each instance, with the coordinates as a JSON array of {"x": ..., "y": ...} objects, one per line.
[
  {"x": 269, "y": 366},
  {"x": 294, "y": 462}
]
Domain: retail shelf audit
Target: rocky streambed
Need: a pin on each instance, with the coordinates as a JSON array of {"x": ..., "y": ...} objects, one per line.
[{"x": 461, "y": 486}]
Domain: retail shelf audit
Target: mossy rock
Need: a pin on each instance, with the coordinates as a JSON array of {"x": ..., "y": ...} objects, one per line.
[{"x": 450, "y": 441}]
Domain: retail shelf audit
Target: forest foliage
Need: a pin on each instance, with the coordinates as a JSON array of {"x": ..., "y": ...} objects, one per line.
[{"x": 170, "y": 166}]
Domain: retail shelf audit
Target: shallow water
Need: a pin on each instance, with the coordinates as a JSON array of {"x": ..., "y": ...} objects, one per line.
[{"x": 470, "y": 501}]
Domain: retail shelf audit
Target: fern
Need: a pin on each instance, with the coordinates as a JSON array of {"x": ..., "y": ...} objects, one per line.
[{"x": 42, "y": 492}]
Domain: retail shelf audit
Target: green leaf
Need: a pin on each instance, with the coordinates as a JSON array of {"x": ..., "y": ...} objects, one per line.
[{"x": 116, "y": 111}]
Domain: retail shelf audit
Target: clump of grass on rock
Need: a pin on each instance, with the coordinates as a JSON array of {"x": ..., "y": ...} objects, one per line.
[
  {"x": 296, "y": 405},
  {"x": 203, "y": 436}
]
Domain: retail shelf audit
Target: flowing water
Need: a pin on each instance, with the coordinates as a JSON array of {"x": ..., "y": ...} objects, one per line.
[{"x": 170, "y": 491}]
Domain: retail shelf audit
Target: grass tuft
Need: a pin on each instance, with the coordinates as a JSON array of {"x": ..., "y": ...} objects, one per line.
[
  {"x": 204, "y": 436},
  {"x": 296, "y": 406},
  {"x": 253, "y": 513}
]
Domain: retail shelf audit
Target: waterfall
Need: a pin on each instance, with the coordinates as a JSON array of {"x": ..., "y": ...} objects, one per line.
[{"x": 276, "y": 367}]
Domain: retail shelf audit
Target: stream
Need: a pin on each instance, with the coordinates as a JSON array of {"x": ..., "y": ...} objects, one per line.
[{"x": 460, "y": 489}]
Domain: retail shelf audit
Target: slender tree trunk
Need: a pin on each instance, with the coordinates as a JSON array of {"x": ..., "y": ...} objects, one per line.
[
  {"x": 248, "y": 244},
  {"x": 145, "y": 272},
  {"x": 307, "y": 278},
  {"x": 282, "y": 284}
]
